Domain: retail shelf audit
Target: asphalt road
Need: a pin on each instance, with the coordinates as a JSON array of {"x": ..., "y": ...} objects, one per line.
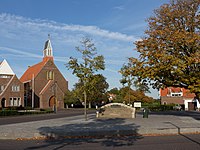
[
  {"x": 38, "y": 117},
  {"x": 176, "y": 142}
]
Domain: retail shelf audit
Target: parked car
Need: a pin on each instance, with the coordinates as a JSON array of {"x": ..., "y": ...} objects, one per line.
[{"x": 177, "y": 107}]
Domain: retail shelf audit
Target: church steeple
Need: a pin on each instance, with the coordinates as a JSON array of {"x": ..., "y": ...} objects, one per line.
[{"x": 48, "y": 52}]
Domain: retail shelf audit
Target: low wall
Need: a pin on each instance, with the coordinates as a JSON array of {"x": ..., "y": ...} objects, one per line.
[{"x": 116, "y": 110}]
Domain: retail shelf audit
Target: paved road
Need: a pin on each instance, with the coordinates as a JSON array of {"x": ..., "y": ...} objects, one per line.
[
  {"x": 30, "y": 118},
  {"x": 177, "y": 142}
]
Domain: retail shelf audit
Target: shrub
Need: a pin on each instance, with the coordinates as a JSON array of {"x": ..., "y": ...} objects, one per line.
[{"x": 8, "y": 112}]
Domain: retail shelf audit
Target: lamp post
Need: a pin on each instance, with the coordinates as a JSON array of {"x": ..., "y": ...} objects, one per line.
[{"x": 55, "y": 96}]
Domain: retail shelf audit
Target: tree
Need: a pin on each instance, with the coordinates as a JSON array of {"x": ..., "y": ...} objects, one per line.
[
  {"x": 96, "y": 89},
  {"x": 127, "y": 79},
  {"x": 69, "y": 98},
  {"x": 170, "y": 51},
  {"x": 114, "y": 91},
  {"x": 130, "y": 80},
  {"x": 130, "y": 95},
  {"x": 87, "y": 67}
]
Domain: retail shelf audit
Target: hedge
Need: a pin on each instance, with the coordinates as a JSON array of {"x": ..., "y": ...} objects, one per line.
[{"x": 17, "y": 113}]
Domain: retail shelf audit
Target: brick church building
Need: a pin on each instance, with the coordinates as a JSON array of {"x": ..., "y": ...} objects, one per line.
[{"x": 44, "y": 85}]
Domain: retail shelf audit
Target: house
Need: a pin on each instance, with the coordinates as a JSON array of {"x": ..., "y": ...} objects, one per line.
[
  {"x": 11, "y": 89},
  {"x": 44, "y": 85},
  {"x": 181, "y": 96}
]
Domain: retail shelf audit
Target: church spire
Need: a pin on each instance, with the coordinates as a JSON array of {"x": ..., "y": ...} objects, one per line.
[{"x": 48, "y": 52}]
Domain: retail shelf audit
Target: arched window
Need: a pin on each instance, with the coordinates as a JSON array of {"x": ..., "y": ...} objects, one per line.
[{"x": 50, "y": 75}]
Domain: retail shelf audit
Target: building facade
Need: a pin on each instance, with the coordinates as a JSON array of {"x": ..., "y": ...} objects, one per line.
[
  {"x": 44, "y": 85},
  {"x": 181, "y": 96},
  {"x": 11, "y": 89}
]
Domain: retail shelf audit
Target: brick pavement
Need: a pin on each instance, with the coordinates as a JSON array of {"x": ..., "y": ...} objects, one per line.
[{"x": 69, "y": 127}]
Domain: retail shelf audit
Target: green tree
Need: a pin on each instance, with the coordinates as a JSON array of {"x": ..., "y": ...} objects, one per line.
[
  {"x": 114, "y": 91},
  {"x": 114, "y": 95},
  {"x": 96, "y": 92},
  {"x": 98, "y": 88},
  {"x": 70, "y": 98},
  {"x": 170, "y": 51},
  {"x": 86, "y": 68}
]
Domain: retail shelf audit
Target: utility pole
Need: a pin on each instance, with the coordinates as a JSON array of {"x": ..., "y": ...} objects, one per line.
[
  {"x": 85, "y": 102},
  {"x": 33, "y": 91},
  {"x": 55, "y": 96}
]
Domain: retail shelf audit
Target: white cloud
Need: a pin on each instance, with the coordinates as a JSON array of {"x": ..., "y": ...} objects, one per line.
[
  {"x": 18, "y": 52},
  {"x": 37, "y": 25},
  {"x": 119, "y": 7},
  {"x": 22, "y": 44}
]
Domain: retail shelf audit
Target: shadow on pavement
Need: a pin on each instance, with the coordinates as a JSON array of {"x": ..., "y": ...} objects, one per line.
[
  {"x": 106, "y": 132},
  {"x": 185, "y": 136}
]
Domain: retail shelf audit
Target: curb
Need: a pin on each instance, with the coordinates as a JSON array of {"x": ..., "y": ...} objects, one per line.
[{"x": 106, "y": 134}]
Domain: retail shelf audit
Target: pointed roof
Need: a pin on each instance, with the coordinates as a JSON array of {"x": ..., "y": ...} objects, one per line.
[
  {"x": 47, "y": 44},
  {"x": 5, "y": 68},
  {"x": 48, "y": 51},
  {"x": 32, "y": 72}
]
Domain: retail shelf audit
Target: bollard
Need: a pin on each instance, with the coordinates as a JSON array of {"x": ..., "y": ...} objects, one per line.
[
  {"x": 97, "y": 114},
  {"x": 133, "y": 113},
  {"x": 145, "y": 113}
]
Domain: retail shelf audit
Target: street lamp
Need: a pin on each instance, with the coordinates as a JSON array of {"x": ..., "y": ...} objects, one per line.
[{"x": 55, "y": 96}]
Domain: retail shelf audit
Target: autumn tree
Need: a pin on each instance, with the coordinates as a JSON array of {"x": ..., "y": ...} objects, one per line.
[
  {"x": 130, "y": 80},
  {"x": 86, "y": 68},
  {"x": 170, "y": 50},
  {"x": 128, "y": 95}
]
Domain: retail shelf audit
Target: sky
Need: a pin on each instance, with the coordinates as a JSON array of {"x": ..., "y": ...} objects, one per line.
[{"x": 113, "y": 26}]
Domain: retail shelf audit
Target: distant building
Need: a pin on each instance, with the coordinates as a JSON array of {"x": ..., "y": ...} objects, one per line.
[
  {"x": 44, "y": 85},
  {"x": 181, "y": 96},
  {"x": 11, "y": 89}
]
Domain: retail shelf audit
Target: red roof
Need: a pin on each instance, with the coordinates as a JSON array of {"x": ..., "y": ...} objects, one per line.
[
  {"x": 32, "y": 72},
  {"x": 176, "y": 90},
  {"x": 186, "y": 93}
]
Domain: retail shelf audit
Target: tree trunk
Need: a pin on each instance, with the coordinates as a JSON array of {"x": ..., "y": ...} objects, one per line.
[
  {"x": 85, "y": 107},
  {"x": 197, "y": 96},
  {"x": 89, "y": 104}
]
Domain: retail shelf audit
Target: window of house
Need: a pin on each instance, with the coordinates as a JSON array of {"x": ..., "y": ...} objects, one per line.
[
  {"x": 11, "y": 101},
  {"x": 15, "y": 101},
  {"x": 4, "y": 76},
  {"x": 164, "y": 103},
  {"x": 19, "y": 101},
  {"x": 15, "y": 88},
  {"x": 50, "y": 75},
  {"x": 1, "y": 87},
  {"x": 176, "y": 94}
]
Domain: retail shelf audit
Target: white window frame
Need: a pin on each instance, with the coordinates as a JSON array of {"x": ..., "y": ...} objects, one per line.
[
  {"x": 50, "y": 75},
  {"x": 1, "y": 87},
  {"x": 15, "y": 88},
  {"x": 11, "y": 101},
  {"x": 15, "y": 101}
]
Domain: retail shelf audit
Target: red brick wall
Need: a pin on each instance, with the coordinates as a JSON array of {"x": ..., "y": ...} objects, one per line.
[
  {"x": 172, "y": 100},
  {"x": 9, "y": 93},
  {"x": 41, "y": 80}
]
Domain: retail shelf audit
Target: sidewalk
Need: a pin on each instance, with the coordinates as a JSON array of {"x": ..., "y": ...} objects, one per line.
[{"x": 71, "y": 127}]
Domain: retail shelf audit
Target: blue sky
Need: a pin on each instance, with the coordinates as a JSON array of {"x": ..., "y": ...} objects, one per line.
[{"x": 113, "y": 25}]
